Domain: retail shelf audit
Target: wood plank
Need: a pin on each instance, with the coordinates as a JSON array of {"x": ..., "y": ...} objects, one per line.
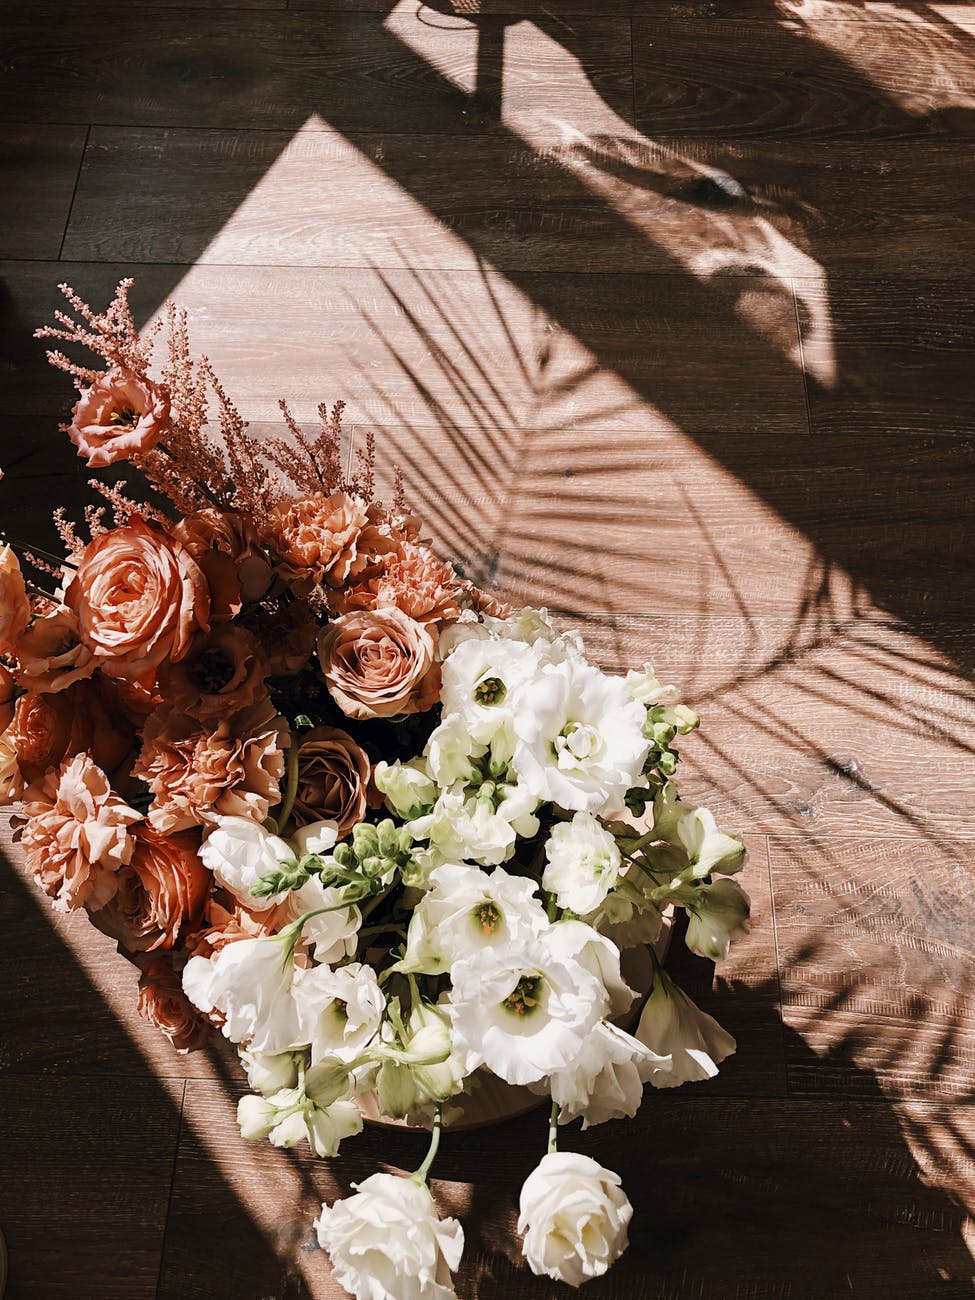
[
  {"x": 85, "y": 1186},
  {"x": 311, "y": 198},
  {"x": 270, "y": 70},
  {"x": 39, "y": 165},
  {"x": 786, "y": 78},
  {"x": 875, "y": 940}
]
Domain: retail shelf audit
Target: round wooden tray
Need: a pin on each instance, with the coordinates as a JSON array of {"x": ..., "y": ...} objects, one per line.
[{"x": 494, "y": 1100}]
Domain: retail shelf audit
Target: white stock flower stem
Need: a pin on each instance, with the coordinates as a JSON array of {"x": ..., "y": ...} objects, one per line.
[
  {"x": 421, "y": 1174},
  {"x": 553, "y": 1128},
  {"x": 291, "y": 783}
]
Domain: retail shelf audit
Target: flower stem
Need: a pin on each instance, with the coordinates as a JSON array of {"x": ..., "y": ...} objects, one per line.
[
  {"x": 291, "y": 787},
  {"x": 553, "y": 1128},
  {"x": 423, "y": 1172}
]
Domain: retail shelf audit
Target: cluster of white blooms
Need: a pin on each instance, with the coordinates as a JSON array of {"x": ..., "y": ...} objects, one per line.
[{"x": 479, "y": 927}]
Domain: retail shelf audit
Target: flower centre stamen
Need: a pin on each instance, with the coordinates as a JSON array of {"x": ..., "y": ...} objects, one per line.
[
  {"x": 214, "y": 670},
  {"x": 491, "y": 690},
  {"x": 487, "y": 916},
  {"x": 525, "y": 996},
  {"x": 127, "y": 418}
]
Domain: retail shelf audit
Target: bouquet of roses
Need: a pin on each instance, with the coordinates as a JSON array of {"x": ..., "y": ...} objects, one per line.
[{"x": 388, "y": 836}]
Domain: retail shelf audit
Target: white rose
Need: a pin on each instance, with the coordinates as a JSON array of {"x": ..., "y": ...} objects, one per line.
[
  {"x": 716, "y": 914},
  {"x": 249, "y": 983},
  {"x": 605, "y": 1081},
  {"x": 239, "y": 852},
  {"x": 341, "y": 1009},
  {"x": 387, "y": 1243},
  {"x": 574, "y": 1215},
  {"x": 671, "y": 1025},
  {"x": 466, "y": 910},
  {"x": 583, "y": 863},
  {"x": 580, "y": 741},
  {"x": 523, "y": 1010}
]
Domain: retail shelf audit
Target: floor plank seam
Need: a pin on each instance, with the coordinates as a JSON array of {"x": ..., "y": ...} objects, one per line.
[
  {"x": 172, "y": 1185},
  {"x": 74, "y": 192}
]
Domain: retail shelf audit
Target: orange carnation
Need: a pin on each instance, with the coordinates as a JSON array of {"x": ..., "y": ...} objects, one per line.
[
  {"x": 164, "y": 1004},
  {"x": 316, "y": 537}
]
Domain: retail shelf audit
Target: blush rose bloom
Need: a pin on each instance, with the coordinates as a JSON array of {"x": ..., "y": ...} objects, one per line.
[
  {"x": 119, "y": 417},
  {"x": 139, "y": 598},
  {"x": 574, "y": 1215},
  {"x": 164, "y": 1004},
  {"x": 51, "y": 654},
  {"x": 387, "y": 1242},
  {"x": 333, "y": 777},
  {"x": 380, "y": 664},
  {"x": 161, "y": 893},
  {"x": 14, "y": 605},
  {"x": 87, "y": 716}
]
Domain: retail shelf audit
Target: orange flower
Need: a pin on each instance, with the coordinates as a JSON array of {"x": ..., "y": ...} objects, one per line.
[
  {"x": 164, "y": 1004},
  {"x": 226, "y": 547},
  {"x": 119, "y": 417},
  {"x": 197, "y": 771},
  {"x": 86, "y": 717},
  {"x": 77, "y": 834},
  {"x": 222, "y": 926},
  {"x": 379, "y": 664},
  {"x": 413, "y": 579},
  {"x": 286, "y": 636},
  {"x": 222, "y": 673},
  {"x": 160, "y": 894},
  {"x": 139, "y": 597},
  {"x": 8, "y": 694},
  {"x": 333, "y": 776},
  {"x": 14, "y": 605},
  {"x": 316, "y": 537},
  {"x": 51, "y": 655}
]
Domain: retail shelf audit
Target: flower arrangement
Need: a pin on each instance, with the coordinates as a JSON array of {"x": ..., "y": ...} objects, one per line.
[{"x": 384, "y": 833}]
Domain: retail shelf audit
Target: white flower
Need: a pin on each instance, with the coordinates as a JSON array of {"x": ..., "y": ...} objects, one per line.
[
  {"x": 583, "y": 863},
  {"x": 645, "y": 687},
  {"x": 316, "y": 837},
  {"x": 387, "y": 1243},
  {"x": 671, "y": 1025},
  {"x": 480, "y": 679},
  {"x": 451, "y": 751},
  {"x": 523, "y": 1010},
  {"x": 332, "y": 935},
  {"x": 341, "y": 1010},
  {"x": 574, "y": 1215},
  {"x": 716, "y": 914},
  {"x": 605, "y": 1081},
  {"x": 413, "y": 1079},
  {"x": 598, "y": 955},
  {"x": 627, "y": 915},
  {"x": 270, "y": 1072},
  {"x": 707, "y": 848},
  {"x": 249, "y": 983},
  {"x": 289, "y": 1117},
  {"x": 464, "y": 826},
  {"x": 580, "y": 741},
  {"x": 466, "y": 910},
  {"x": 408, "y": 788},
  {"x": 239, "y": 852}
]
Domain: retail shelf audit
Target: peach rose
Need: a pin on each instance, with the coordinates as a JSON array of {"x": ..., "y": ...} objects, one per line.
[
  {"x": 413, "y": 579},
  {"x": 380, "y": 663},
  {"x": 85, "y": 717},
  {"x": 227, "y": 548},
  {"x": 119, "y": 417},
  {"x": 315, "y": 537},
  {"x": 222, "y": 673},
  {"x": 77, "y": 834},
  {"x": 139, "y": 598},
  {"x": 161, "y": 892},
  {"x": 14, "y": 605},
  {"x": 51, "y": 655},
  {"x": 333, "y": 777},
  {"x": 164, "y": 1004},
  {"x": 8, "y": 696},
  {"x": 222, "y": 925},
  {"x": 228, "y": 767}
]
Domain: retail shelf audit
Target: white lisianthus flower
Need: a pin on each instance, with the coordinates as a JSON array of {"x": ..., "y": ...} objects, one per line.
[
  {"x": 647, "y": 688},
  {"x": 316, "y": 837},
  {"x": 627, "y": 915},
  {"x": 671, "y": 1025},
  {"x": 269, "y": 1072},
  {"x": 707, "y": 848},
  {"x": 387, "y": 1242},
  {"x": 598, "y": 955},
  {"x": 605, "y": 1081},
  {"x": 239, "y": 852},
  {"x": 341, "y": 1010},
  {"x": 580, "y": 741},
  {"x": 466, "y": 910},
  {"x": 480, "y": 680},
  {"x": 574, "y": 1215},
  {"x": 331, "y": 935},
  {"x": 583, "y": 863},
  {"x": 289, "y": 1117},
  {"x": 249, "y": 983},
  {"x": 408, "y": 788},
  {"x": 466, "y": 824},
  {"x": 716, "y": 914},
  {"x": 523, "y": 1010}
]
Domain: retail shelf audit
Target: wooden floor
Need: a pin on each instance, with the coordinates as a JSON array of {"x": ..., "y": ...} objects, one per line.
[{"x": 665, "y": 308}]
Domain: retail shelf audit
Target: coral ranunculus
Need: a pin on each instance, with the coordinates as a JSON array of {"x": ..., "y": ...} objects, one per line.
[
  {"x": 164, "y": 1004},
  {"x": 380, "y": 664},
  {"x": 119, "y": 417},
  {"x": 51, "y": 654},
  {"x": 139, "y": 598},
  {"x": 160, "y": 894},
  {"x": 14, "y": 605},
  {"x": 333, "y": 776}
]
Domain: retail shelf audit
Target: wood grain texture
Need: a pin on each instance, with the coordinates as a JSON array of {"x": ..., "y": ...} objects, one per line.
[{"x": 39, "y": 167}]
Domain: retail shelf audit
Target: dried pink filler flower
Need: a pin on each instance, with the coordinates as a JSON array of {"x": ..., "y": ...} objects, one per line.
[
  {"x": 199, "y": 771},
  {"x": 77, "y": 834},
  {"x": 118, "y": 417}
]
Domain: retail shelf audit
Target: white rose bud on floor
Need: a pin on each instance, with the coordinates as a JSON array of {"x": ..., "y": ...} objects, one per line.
[
  {"x": 387, "y": 1242},
  {"x": 574, "y": 1215}
]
